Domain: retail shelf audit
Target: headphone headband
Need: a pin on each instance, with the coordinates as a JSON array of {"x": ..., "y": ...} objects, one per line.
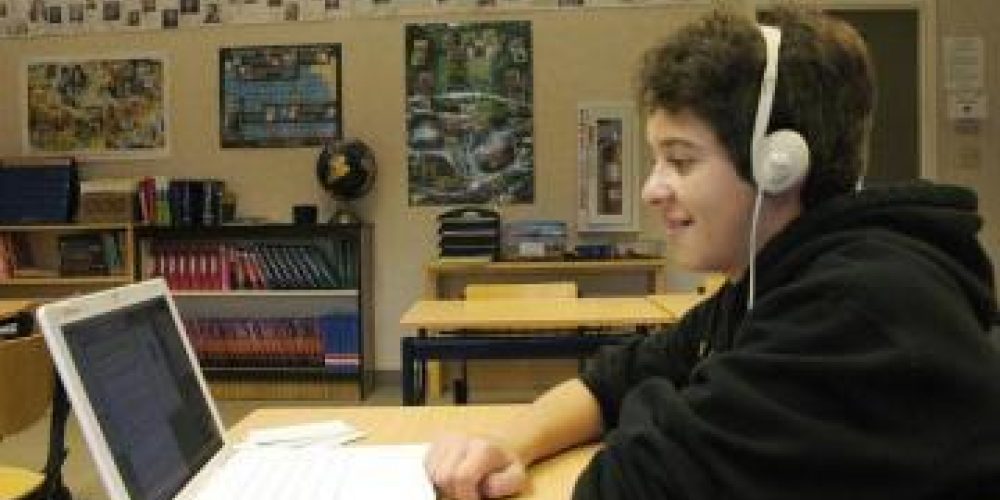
[
  {"x": 780, "y": 159},
  {"x": 769, "y": 80}
]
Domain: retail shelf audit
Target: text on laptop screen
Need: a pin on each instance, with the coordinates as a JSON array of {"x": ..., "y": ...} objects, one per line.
[{"x": 146, "y": 396}]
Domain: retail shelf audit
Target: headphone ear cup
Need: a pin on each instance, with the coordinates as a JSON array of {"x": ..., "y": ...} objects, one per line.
[{"x": 782, "y": 161}]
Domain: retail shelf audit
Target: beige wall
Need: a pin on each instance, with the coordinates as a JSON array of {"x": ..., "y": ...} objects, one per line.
[
  {"x": 578, "y": 56},
  {"x": 973, "y": 158}
]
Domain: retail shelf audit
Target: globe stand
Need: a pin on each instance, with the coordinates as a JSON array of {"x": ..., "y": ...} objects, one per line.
[{"x": 343, "y": 214}]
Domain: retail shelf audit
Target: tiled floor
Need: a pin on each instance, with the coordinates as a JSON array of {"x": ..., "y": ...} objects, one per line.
[{"x": 28, "y": 448}]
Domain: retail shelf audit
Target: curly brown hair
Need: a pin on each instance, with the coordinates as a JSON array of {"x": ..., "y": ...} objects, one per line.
[{"x": 825, "y": 90}]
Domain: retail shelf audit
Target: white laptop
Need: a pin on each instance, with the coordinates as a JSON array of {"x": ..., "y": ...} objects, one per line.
[{"x": 154, "y": 431}]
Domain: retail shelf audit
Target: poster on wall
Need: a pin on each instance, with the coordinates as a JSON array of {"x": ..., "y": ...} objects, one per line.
[
  {"x": 469, "y": 113},
  {"x": 99, "y": 107},
  {"x": 279, "y": 96}
]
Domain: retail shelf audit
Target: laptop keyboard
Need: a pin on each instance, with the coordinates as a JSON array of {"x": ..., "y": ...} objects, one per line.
[
  {"x": 273, "y": 473},
  {"x": 312, "y": 473}
]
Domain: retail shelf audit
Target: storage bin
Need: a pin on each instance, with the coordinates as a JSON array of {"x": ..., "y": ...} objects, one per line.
[
  {"x": 534, "y": 239},
  {"x": 106, "y": 207}
]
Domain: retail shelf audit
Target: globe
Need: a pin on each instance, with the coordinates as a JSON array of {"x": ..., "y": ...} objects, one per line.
[{"x": 345, "y": 169}]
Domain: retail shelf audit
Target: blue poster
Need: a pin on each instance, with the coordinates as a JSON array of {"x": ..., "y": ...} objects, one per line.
[{"x": 279, "y": 96}]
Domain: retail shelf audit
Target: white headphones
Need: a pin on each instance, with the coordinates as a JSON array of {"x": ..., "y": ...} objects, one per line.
[{"x": 780, "y": 159}]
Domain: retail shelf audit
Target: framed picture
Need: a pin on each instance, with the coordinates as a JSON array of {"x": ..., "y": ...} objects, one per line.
[
  {"x": 279, "y": 96},
  {"x": 469, "y": 112},
  {"x": 96, "y": 107},
  {"x": 609, "y": 173}
]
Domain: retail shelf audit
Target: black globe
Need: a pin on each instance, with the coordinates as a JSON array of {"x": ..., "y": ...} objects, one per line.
[{"x": 346, "y": 169}]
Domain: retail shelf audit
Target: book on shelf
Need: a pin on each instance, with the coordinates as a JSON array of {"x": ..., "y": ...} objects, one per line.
[
  {"x": 329, "y": 342},
  {"x": 90, "y": 254},
  {"x": 244, "y": 266},
  {"x": 8, "y": 260},
  {"x": 340, "y": 342},
  {"x": 180, "y": 202},
  {"x": 81, "y": 255}
]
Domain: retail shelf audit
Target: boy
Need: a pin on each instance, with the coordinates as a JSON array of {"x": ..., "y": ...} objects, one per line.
[{"x": 846, "y": 357}]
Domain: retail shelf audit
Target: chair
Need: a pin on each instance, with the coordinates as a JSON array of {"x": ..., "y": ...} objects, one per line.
[
  {"x": 494, "y": 291},
  {"x": 29, "y": 386},
  {"x": 489, "y": 291},
  {"x": 26, "y": 373}
]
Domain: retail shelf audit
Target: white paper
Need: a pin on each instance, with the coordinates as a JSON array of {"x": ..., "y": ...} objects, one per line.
[
  {"x": 334, "y": 432},
  {"x": 964, "y": 61}
]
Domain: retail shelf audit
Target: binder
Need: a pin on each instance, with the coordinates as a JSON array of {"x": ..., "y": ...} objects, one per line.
[{"x": 38, "y": 190}]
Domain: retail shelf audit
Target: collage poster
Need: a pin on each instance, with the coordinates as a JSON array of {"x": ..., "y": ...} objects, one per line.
[
  {"x": 469, "y": 113},
  {"x": 279, "y": 96},
  {"x": 96, "y": 107}
]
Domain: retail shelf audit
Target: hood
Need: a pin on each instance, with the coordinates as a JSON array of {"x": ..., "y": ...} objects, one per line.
[{"x": 940, "y": 220}]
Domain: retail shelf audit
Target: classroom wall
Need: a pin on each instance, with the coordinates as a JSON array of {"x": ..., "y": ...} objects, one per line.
[
  {"x": 578, "y": 55},
  {"x": 585, "y": 55}
]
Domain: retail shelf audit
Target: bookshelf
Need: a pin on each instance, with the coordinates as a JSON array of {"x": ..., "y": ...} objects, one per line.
[
  {"x": 47, "y": 261},
  {"x": 275, "y": 311}
]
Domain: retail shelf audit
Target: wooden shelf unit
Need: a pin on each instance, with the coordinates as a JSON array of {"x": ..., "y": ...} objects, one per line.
[
  {"x": 37, "y": 273},
  {"x": 347, "y": 249}
]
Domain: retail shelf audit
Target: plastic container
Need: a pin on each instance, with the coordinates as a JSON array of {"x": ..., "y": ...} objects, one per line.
[{"x": 534, "y": 240}]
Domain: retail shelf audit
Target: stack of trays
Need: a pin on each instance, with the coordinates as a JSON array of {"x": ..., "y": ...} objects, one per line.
[{"x": 469, "y": 233}]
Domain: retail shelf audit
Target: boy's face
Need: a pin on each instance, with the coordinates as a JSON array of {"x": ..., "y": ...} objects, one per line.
[{"x": 704, "y": 206}]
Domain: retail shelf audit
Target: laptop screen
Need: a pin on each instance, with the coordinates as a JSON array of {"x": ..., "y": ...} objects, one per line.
[{"x": 146, "y": 396}]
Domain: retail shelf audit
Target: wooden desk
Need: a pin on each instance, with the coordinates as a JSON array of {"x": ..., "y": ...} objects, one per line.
[
  {"x": 651, "y": 270},
  {"x": 527, "y": 315},
  {"x": 551, "y": 479},
  {"x": 443, "y": 279},
  {"x": 534, "y": 314}
]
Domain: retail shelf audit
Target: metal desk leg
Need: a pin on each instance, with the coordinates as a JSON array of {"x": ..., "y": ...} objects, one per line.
[
  {"x": 460, "y": 386},
  {"x": 414, "y": 376},
  {"x": 421, "y": 373},
  {"x": 408, "y": 382}
]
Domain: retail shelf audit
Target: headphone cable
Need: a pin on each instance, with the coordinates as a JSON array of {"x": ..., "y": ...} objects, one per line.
[{"x": 752, "y": 250}]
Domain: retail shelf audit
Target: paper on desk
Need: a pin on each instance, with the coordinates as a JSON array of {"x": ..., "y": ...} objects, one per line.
[
  {"x": 387, "y": 471},
  {"x": 331, "y": 432}
]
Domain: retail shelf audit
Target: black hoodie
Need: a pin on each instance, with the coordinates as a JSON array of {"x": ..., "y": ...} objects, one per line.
[{"x": 864, "y": 370}]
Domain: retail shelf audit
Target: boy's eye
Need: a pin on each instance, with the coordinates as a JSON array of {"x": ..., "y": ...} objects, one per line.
[{"x": 681, "y": 165}]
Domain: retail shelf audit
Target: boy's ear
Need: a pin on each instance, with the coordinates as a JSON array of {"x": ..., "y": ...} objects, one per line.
[{"x": 788, "y": 200}]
